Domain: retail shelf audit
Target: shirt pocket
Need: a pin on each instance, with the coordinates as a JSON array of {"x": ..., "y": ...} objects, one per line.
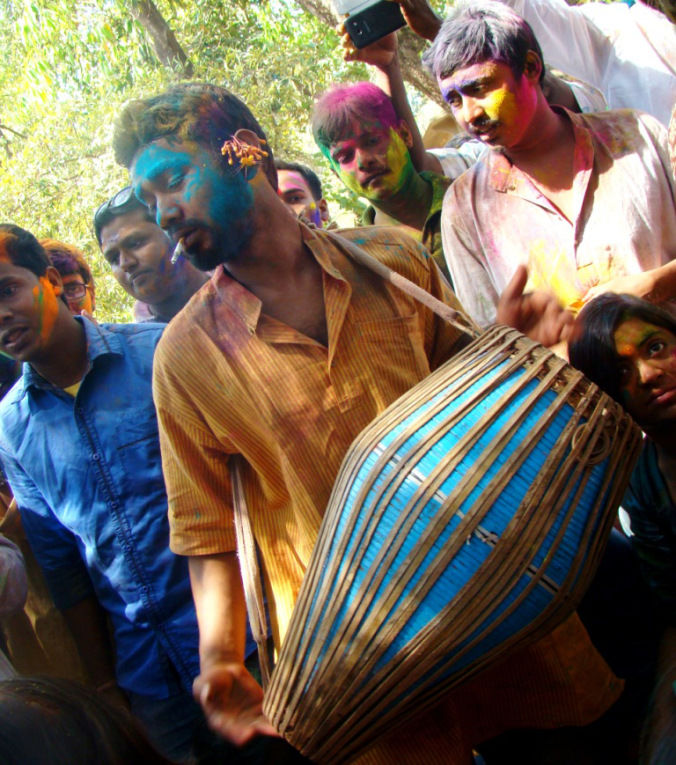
[{"x": 138, "y": 450}]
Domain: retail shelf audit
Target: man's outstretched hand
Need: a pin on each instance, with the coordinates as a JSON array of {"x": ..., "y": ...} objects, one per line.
[
  {"x": 539, "y": 315},
  {"x": 381, "y": 53},
  {"x": 420, "y": 17},
  {"x": 232, "y": 702}
]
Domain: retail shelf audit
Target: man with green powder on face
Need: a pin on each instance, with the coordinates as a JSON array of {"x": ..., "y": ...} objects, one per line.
[{"x": 357, "y": 129}]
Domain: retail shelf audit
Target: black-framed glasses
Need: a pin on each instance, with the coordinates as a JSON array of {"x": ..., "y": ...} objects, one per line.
[
  {"x": 75, "y": 290},
  {"x": 122, "y": 202}
]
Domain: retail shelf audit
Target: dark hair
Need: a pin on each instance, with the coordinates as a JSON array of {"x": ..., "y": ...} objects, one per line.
[
  {"x": 191, "y": 111},
  {"x": 591, "y": 347},
  {"x": 23, "y": 249},
  {"x": 311, "y": 178},
  {"x": 67, "y": 259},
  {"x": 122, "y": 203},
  {"x": 59, "y": 722},
  {"x": 484, "y": 31},
  {"x": 335, "y": 111}
]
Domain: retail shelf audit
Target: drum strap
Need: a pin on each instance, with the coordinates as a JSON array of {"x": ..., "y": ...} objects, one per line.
[
  {"x": 249, "y": 569},
  {"x": 455, "y": 318}
]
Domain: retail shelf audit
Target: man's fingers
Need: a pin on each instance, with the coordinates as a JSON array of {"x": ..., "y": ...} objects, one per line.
[
  {"x": 516, "y": 285},
  {"x": 238, "y": 729}
]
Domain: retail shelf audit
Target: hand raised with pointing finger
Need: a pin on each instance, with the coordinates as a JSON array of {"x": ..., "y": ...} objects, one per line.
[{"x": 539, "y": 315}]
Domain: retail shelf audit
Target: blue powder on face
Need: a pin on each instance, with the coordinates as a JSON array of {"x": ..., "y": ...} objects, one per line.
[{"x": 191, "y": 178}]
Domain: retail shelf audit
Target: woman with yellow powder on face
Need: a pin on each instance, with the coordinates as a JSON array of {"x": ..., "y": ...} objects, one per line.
[{"x": 628, "y": 347}]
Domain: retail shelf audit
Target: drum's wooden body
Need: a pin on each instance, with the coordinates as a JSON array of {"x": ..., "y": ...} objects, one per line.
[{"x": 467, "y": 519}]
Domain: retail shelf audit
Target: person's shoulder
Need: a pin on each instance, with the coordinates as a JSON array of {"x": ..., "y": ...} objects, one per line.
[
  {"x": 386, "y": 243},
  {"x": 137, "y": 329},
  {"x": 138, "y": 339},
  {"x": 438, "y": 180},
  {"x": 14, "y": 395},
  {"x": 187, "y": 323},
  {"x": 624, "y": 130},
  {"x": 456, "y": 160},
  {"x": 645, "y": 482}
]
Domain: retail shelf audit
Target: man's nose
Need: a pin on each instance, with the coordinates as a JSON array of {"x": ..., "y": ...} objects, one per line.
[
  {"x": 470, "y": 110},
  {"x": 5, "y": 313},
  {"x": 364, "y": 159},
  {"x": 127, "y": 260},
  {"x": 167, "y": 211}
]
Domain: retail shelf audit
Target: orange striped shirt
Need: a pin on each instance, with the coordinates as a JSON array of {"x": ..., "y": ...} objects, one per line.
[{"x": 230, "y": 380}]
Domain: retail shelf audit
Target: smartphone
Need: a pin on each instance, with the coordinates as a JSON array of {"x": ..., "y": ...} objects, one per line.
[{"x": 369, "y": 20}]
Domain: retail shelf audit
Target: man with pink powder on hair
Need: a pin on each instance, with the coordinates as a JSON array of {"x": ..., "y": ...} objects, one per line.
[{"x": 369, "y": 149}]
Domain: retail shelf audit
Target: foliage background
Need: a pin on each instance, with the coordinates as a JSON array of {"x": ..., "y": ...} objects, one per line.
[{"x": 67, "y": 66}]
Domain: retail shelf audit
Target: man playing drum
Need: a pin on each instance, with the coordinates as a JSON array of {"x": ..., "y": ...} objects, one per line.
[{"x": 281, "y": 359}]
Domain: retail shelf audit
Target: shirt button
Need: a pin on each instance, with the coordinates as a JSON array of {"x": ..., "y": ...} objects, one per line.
[{"x": 96, "y": 456}]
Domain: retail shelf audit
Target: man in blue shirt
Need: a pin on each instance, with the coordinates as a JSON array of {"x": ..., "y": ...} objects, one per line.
[{"x": 79, "y": 444}]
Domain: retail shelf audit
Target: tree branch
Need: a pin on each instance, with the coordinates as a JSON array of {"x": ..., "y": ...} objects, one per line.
[{"x": 167, "y": 48}]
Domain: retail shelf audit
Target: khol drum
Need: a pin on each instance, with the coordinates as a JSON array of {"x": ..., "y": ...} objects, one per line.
[{"x": 466, "y": 520}]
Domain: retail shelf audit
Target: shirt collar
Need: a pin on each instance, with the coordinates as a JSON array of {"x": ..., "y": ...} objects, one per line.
[
  {"x": 100, "y": 342},
  {"x": 439, "y": 185},
  {"x": 504, "y": 177},
  {"x": 245, "y": 304}
]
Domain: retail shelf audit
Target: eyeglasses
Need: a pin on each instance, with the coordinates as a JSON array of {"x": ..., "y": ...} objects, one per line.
[
  {"x": 75, "y": 290},
  {"x": 121, "y": 202}
]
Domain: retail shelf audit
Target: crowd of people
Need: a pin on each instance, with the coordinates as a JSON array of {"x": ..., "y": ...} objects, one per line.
[{"x": 261, "y": 348}]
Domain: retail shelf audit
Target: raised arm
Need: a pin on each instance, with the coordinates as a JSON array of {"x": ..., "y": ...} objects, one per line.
[
  {"x": 420, "y": 17},
  {"x": 658, "y": 285},
  {"x": 383, "y": 55}
]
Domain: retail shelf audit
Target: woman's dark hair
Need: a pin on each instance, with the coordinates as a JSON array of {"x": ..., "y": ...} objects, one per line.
[
  {"x": 53, "y": 721},
  {"x": 591, "y": 347}
]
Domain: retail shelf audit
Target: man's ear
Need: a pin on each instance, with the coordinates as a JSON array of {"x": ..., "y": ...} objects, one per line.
[
  {"x": 323, "y": 208},
  {"x": 248, "y": 136},
  {"x": 54, "y": 278},
  {"x": 532, "y": 68},
  {"x": 405, "y": 133},
  {"x": 255, "y": 155}
]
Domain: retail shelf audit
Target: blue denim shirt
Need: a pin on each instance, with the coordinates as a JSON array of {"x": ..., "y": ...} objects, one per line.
[{"x": 86, "y": 473}]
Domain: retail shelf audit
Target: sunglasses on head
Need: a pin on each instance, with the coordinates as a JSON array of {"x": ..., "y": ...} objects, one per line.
[{"x": 121, "y": 202}]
